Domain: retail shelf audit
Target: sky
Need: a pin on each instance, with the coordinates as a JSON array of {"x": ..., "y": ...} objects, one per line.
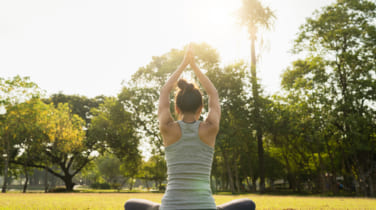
[{"x": 88, "y": 47}]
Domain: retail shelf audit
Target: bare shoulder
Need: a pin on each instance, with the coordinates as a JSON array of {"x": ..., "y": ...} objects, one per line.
[
  {"x": 209, "y": 127},
  {"x": 208, "y": 132},
  {"x": 170, "y": 132}
]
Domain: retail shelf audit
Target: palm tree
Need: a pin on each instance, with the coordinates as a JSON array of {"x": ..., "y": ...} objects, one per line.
[{"x": 254, "y": 16}]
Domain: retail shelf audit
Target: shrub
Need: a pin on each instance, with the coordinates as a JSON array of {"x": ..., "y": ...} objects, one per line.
[
  {"x": 103, "y": 186},
  {"x": 162, "y": 188}
]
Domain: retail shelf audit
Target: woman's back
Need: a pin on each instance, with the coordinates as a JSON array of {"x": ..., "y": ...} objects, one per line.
[
  {"x": 189, "y": 163},
  {"x": 189, "y": 147}
]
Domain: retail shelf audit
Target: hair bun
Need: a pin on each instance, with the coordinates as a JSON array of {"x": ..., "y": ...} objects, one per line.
[{"x": 184, "y": 85}]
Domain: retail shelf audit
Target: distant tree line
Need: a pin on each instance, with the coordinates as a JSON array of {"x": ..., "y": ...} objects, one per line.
[{"x": 317, "y": 135}]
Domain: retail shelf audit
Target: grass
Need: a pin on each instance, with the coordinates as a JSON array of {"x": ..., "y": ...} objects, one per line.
[{"x": 116, "y": 200}]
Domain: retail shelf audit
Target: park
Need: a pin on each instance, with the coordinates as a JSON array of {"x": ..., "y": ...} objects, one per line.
[{"x": 309, "y": 145}]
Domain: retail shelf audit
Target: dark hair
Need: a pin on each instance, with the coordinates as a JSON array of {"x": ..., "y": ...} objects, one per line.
[{"x": 188, "y": 98}]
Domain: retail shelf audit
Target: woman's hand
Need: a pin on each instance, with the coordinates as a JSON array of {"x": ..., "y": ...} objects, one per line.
[
  {"x": 192, "y": 62},
  {"x": 164, "y": 115},
  {"x": 188, "y": 56},
  {"x": 214, "y": 114}
]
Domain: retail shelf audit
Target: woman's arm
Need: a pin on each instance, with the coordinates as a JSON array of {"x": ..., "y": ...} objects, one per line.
[
  {"x": 214, "y": 115},
  {"x": 164, "y": 114}
]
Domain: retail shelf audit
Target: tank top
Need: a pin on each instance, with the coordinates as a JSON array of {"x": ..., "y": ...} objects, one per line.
[{"x": 189, "y": 162}]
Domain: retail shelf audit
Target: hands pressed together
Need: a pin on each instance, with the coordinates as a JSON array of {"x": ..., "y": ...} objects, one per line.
[
  {"x": 189, "y": 57},
  {"x": 214, "y": 113}
]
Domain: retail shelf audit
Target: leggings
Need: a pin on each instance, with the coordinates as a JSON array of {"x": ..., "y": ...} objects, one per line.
[{"x": 239, "y": 204}]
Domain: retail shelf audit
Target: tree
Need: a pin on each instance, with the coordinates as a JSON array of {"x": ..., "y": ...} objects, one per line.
[
  {"x": 60, "y": 141},
  {"x": 112, "y": 127},
  {"x": 24, "y": 134},
  {"x": 254, "y": 16},
  {"x": 341, "y": 38},
  {"x": 309, "y": 104},
  {"x": 231, "y": 143},
  {"x": 155, "y": 169},
  {"x": 111, "y": 170},
  {"x": 12, "y": 91},
  {"x": 80, "y": 105},
  {"x": 41, "y": 135}
]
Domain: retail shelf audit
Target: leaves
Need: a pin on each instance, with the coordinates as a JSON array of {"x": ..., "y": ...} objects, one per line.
[
  {"x": 113, "y": 127},
  {"x": 16, "y": 90},
  {"x": 254, "y": 16},
  {"x": 330, "y": 90}
]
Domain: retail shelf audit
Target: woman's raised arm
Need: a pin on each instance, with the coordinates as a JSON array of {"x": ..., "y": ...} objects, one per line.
[
  {"x": 164, "y": 114},
  {"x": 214, "y": 115}
]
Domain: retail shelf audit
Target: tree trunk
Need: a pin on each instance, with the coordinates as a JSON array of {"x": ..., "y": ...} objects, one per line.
[
  {"x": 5, "y": 181},
  {"x": 261, "y": 161},
  {"x": 156, "y": 185},
  {"x": 334, "y": 183},
  {"x": 147, "y": 184},
  {"x": 290, "y": 177},
  {"x": 224, "y": 180},
  {"x": 26, "y": 180},
  {"x": 213, "y": 185},
  {"x": 45, "y": 180},
  {"x": 257, "y": 116},
  {"x": 229, "y": 172},
  {"x": 249, "y": 184},
  {"x": 237, "y": 181},
  {"x": 130, "y": 184},
  {"x": 6, "y": 167},
  {"x": 321, "y": 179},
  {"x": 68, "y": 181},
  {"x": 272, "y": 184},
  {"x": 254, "y": 185},
  {"x": 370, "y": 186}
]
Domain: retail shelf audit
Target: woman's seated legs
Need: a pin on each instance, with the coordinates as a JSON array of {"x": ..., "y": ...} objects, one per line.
[
  {"x": 239, "y": 204},
  {"x": 140, "y": 204}
]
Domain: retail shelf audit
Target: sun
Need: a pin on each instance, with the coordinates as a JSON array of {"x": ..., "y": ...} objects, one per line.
[
  {"x": 214, "y": 19},
  {"x": 219, "y": 16}
]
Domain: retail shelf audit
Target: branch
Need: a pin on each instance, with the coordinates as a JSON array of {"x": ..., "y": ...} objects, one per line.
[
  {"x": 82, "y": 166},
  {"x": 54, "y": 158},
  {"x": 71, "y": 161},
  {"x": 39, "y": 166}
]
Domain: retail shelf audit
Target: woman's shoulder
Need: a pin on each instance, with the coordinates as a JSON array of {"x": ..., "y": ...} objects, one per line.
[
  {"x": 209, "y": 127},
  {"x": 170, "y": 133},
  {"x": 168, "y": 127},
  {"x": 208, "y": 133}
]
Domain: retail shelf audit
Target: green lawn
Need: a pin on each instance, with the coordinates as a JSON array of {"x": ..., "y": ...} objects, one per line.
[{"x": 116, "y": 201}]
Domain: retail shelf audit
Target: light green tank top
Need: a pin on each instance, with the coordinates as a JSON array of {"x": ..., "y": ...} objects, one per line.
[{"x": 189, "y": 162}]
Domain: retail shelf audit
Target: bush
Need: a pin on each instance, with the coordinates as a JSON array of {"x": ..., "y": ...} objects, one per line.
[
  {"x": 116, "y": 186},
  {"x": 162, "y": 188},
  {"x": 103, "y": 186}
]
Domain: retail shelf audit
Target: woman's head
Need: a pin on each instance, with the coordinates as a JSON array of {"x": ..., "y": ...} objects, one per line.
[{"x": 188, "y": 98}]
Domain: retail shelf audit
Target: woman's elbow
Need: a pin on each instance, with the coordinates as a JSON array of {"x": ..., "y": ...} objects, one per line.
[
  {"x": 166, "y": 88},
  {"x": 162, "y": 89},
  {"x": 213, "y": 93}
]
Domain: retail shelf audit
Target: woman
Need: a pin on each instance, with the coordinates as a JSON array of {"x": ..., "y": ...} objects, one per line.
[{"x": 189, "y": 146}]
